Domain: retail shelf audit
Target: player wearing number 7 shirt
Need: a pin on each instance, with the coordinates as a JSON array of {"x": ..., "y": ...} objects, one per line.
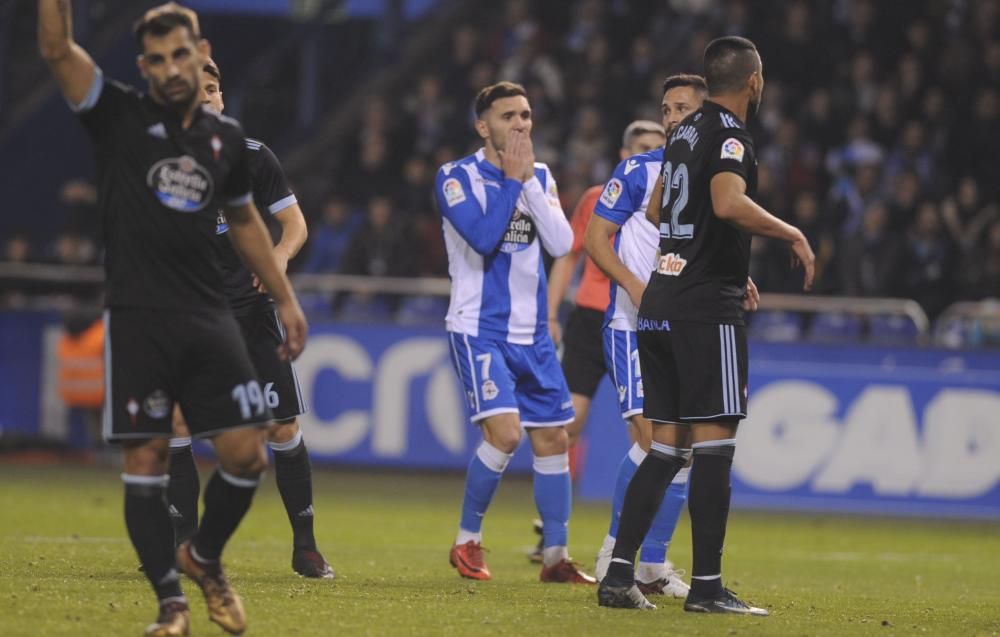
[{"x": 499, "y": 210}]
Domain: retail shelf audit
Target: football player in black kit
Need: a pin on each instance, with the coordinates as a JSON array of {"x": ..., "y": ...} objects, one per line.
[
  {"x": 692, "y": 340},
  {"x": 254, "y": 311},
  {"x": 165, "y": 166}
]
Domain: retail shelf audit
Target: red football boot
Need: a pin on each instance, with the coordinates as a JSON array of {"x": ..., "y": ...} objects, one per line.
[{"x": 468, "y": 559}]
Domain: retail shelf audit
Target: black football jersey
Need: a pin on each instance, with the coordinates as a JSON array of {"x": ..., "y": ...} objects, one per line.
[
  {"x": 704, "y": 262},
  {"x": 159, "y": 189},
  {"x": 271, "y": 195}
]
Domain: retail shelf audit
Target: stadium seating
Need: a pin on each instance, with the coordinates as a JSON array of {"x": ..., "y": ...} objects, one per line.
[
  {"x": 422, "y": 310},
  {"x": 891, "y": 330},
  {"x": 776, "y": 326},
  {"x": 359, "y": 308},
  {"x": 835, "y": 329}
]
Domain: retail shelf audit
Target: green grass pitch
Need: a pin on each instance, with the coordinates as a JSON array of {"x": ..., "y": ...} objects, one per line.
[{"x": 66, "y": 567}]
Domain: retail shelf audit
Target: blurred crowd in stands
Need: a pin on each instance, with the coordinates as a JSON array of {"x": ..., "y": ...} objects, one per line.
[{"x": 879, "y": 135}]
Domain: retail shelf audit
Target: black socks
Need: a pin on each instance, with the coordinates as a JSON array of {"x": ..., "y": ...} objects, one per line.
[{"x": 149, "y": 529}]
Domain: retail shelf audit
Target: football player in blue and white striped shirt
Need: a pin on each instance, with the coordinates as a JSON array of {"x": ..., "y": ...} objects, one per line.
[{"x": 500, "y": 209}]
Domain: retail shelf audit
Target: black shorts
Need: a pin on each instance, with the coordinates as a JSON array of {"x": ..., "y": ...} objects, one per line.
[
  {"x": 693, "y": 372},
  {"x": 154, "y": 358},
  {"x": 263, "y": 333},
  {"x": 583, "y": 353}
]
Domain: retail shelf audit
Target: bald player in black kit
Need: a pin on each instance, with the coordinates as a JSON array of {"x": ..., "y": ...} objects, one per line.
[{"x": 691, "y": 335}]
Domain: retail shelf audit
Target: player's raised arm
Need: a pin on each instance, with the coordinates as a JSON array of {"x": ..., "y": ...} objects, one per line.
[
  {"x": 546, "y": 210},
  {"x": 481, "y": 229},
  {"x": 731, "y": 204},
  {"x": 72, "y": 67},
  {"x": 253, "y": 243}
]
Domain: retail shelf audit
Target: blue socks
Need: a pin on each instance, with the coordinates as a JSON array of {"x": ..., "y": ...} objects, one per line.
[
  {"x": 625, "y": 472},
  {"x": 553, "y": 497},
  {"x": 481, "y": 482}
]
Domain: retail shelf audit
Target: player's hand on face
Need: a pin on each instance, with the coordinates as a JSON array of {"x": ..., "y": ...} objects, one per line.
[
  {"x": 751, "y": 298},
  {"x": 296, "y": 329},
  {"x": 529, "y": 148},
  {"x": 803, "y": 253},
  {"x": 518, "y": 156}
]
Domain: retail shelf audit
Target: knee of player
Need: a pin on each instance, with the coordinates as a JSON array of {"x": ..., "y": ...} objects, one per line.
[
  {"x": 247, "y": 463},
  {"x": 721, "y": 448},
  {"x": 549, "y": 441},
  {"x": 146, "y": 458},
  {"x": 506, "y": 439}
]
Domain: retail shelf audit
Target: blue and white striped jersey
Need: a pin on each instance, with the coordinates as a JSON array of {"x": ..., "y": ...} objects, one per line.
[
  {"x": 624, "y": 202},
  {"x": 494, "y": 229}
]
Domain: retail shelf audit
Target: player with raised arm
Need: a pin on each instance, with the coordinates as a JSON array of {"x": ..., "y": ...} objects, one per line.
[
  {"x": 499, "y": 209},
  {"x": 164, "y": 167},
  {"x": 254, "y": 311},
  {"x": 692, "y": 339}
]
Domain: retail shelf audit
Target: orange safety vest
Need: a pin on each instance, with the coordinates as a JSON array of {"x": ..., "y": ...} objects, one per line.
[{"x": 81, "y": 367}]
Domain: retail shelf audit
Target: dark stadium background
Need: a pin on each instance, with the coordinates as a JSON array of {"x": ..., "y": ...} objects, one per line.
[
  {"x": 879, "y": 135},
  {"x": 866, "y": 481}
]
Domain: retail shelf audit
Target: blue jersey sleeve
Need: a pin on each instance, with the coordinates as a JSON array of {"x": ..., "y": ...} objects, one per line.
[
  {"x": 481, "y": 229},
  {"x": 624, "y": 193}
]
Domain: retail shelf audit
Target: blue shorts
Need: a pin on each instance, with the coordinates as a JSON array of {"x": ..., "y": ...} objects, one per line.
[
  {"x": 621, "y": 355},
  {"x": 500, "y": 377}
]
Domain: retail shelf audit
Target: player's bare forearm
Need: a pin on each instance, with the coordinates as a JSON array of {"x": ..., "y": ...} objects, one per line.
[
  {"x": 597, "y": 243},
  {"x": 655, "y": 204},
  {"x": 294, "y": 232},
  {"x": 559, "y": 277},
  {"x": 253, "y": 244},
  {"x": 731, "y": 204},
  {"x": 70, "y": 64}
]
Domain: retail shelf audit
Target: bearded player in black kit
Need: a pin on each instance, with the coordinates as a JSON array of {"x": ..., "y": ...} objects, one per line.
[
  {"x": 692, "y": 340},
  {"x": 165, "y": 166}
]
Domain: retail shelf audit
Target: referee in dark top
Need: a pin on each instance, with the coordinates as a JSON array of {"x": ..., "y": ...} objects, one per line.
[
  {"x": 692, "y": 340},
  {"x": 165, "y": 166},
  {"x": 254, "y": 311}
]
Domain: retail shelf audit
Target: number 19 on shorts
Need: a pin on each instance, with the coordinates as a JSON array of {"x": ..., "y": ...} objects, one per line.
[{"x": 252, "y": 401}]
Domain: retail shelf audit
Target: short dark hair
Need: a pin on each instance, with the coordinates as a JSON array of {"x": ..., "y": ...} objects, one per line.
[
  {"x": 212, "y": 69},
  {"x": 696, "y": 82},
  {"x": 729, "y": 61},
  {"x": 495, "y": 92},
  {"x": 162, "y": 24}
]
